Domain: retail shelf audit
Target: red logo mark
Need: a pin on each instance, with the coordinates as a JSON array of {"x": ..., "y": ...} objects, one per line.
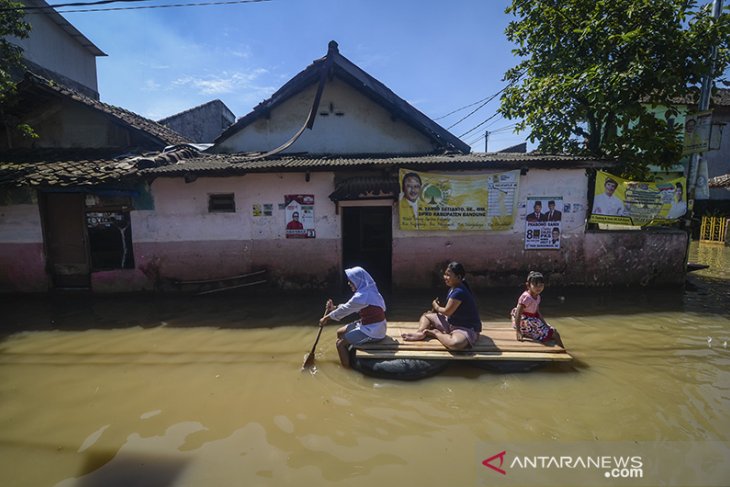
[{"x": 500, "y": 455}]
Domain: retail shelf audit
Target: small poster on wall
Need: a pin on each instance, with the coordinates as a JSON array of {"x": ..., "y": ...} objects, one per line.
[
  {"x": 543, "y": 223},
  {"x": 299, "y": 210}
]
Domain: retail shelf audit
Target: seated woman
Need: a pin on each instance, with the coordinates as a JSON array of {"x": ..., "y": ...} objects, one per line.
[{"x": 456, "y": 325}]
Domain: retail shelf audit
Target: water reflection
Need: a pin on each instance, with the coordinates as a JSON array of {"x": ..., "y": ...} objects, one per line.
[{"x": 165, "y": 391}]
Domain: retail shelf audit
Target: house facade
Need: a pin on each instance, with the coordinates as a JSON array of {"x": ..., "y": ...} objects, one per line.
[{"x": 312, "y": 181}]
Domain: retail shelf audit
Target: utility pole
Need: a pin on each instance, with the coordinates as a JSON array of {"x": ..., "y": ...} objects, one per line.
[
  {"x": 486, "y": 141},
  {"x": 703, "y": 106}
]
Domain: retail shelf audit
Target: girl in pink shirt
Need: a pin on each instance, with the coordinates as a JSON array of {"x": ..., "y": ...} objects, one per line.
[{"x": 526, "y": 318}]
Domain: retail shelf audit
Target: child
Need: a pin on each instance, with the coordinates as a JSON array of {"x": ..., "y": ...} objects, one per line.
[
  {"x": 526, "y": 318},
  {"x": 368, "y": 303}
]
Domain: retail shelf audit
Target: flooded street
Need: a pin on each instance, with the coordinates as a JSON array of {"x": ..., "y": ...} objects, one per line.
[{"x": 207, "y": 391}]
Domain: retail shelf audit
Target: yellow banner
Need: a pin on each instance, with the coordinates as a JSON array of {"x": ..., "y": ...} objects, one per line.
[
  {"x": 454, "y": 202},
  {"x": 624, "y": 202}
]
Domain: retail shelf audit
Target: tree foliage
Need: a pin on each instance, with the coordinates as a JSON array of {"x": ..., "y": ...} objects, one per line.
[
  {"x": 11, "y": 25},
  {"x": 591, "y": 71}
]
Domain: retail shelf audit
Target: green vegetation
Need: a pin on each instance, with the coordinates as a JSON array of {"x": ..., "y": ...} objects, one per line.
[{"x": 591, "y": 71}]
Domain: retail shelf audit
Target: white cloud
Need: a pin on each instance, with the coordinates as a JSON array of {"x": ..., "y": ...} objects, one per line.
[{"x": 223, "y": 83}]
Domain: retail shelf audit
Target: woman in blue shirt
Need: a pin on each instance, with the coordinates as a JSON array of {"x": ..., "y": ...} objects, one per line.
[{"x": 456, "y": 325}]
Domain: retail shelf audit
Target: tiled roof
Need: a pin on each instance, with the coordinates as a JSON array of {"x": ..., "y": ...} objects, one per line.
[
  {"x": 79, "y": 167},
  {"x": 162, "y": 134},
  {"x": 347, "y": 71},
  {"x": 722, "y": 181}
]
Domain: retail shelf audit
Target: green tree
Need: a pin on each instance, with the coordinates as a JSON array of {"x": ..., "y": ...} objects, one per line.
[
  {"x": 11, "y": 25},
  {"x": 591, "y": 71}
]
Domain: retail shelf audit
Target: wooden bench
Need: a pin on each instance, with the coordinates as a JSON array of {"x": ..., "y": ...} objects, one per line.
[{"x": 496, "y": 342}]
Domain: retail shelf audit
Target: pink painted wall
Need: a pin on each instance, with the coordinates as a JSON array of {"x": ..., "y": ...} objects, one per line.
[
  {"x": 595, "y": 259},
  {"x": 22, "y": 268}
]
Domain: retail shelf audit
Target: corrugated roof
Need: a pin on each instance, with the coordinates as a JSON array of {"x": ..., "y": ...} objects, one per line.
[
  {"x": 360, "y": 80},
  {"x": 224, "y": 164},
  {"x": 722, "y": 181}
]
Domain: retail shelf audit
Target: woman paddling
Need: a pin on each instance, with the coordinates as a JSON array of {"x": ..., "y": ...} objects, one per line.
[{"x": 368, "y": 303}]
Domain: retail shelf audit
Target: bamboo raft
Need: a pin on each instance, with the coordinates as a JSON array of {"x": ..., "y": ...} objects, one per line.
[{"x": 497, "y": 342}]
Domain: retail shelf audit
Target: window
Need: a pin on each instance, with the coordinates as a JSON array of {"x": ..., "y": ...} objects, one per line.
[
  {"x": 110, "y": 239},
  {"x": 221, "y": 203}
]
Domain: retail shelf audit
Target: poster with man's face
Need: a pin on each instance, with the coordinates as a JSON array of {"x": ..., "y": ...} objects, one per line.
[
  {"x": 543, "y": 222},
  {"x": 299, "y": 212}
]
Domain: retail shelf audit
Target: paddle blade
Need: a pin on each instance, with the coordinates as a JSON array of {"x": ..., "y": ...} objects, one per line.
[{"x": 308, "y": 361}]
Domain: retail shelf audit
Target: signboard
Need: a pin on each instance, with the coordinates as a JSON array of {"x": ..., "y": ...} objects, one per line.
[
  {"x": 457, "y": 202},
  {"x": 637, "y": 203},
  {"x": 299, "y": 210},
  {"x": 543, "y": 225}
]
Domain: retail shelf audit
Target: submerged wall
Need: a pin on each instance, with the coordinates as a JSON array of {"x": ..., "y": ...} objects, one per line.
[{"x": 180, "y": 239}]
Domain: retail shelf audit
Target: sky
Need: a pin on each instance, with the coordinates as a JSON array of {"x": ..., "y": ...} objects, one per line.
[{"x": 440, "y": 56}]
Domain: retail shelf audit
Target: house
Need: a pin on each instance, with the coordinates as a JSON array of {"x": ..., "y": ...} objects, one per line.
[
  {"x": 67, "y": 194},
  {"x": 337, "y": 148},
  {"x": 57, "y": 51},
  {"x": 201, "y": 124}
]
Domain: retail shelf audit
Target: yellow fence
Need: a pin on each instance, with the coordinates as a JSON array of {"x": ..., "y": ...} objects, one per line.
[{"x": 714, "y": 229}]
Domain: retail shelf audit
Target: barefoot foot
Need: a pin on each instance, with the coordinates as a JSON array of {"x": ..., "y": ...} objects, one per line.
[{"x": 414, "y": 337}]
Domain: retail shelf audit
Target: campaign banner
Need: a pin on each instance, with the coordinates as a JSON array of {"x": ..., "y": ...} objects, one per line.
[
  {"x": 637, "y": 203},
  {"x": 299, "y": 215},
  {"x": 697, "y": 128},
  {"x": 457, "y": 202},
  {"x": 543, "y": 223}
]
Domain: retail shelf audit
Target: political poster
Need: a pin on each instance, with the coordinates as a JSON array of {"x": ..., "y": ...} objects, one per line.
[
  {"x": 457, "y": 202},
  {"x": 543, "y": 223},
  {"x": 299, "y": 210},
  {"x": 697, "y": 128},
  {"x": 638, "y": 203}
]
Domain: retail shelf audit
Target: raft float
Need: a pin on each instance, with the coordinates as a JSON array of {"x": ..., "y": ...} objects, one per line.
[{"x": 497, "y": 349}]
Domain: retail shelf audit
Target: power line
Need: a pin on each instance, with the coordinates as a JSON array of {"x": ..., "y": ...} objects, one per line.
[
  {"x": 60, "y": 5},
  {"x": 488, "y": 99},
  {"x": 460, "y": 109},
  {"x": 479, "y": 125},
  {"x": 176, "y": 5}
]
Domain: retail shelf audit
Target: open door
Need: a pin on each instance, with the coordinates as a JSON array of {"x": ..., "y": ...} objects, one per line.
[
  {"x": 65, "y": 239},
  {"x": 367, "y": 241}
]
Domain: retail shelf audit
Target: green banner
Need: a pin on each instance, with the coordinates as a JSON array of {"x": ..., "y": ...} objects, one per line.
[
  {"x": 457, "y": 202},
  {"x": 637, "y": 203}
]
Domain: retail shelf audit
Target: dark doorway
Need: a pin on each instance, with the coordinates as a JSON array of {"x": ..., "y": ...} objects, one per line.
[
  {"x": 65, "y": 239},
  {"x": 367, "y": 241}
]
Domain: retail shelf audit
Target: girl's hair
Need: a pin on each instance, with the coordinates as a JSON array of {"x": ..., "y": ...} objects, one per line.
[
  {"x": 535, "y": 277},
  {"x": 459, "y": 272}
]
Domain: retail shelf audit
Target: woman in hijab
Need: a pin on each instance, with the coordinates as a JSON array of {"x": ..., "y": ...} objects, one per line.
[{"x": 368, "y": 303}]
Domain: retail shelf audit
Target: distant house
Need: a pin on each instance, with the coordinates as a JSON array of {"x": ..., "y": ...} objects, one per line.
[
  {"x": 57, "y": 51},
  {"x": 201, "y": 124},
  {"x": 331, "y": 144}
]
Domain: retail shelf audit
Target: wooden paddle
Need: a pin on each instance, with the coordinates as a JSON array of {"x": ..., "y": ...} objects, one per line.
[{"x": 309, "y": 359}]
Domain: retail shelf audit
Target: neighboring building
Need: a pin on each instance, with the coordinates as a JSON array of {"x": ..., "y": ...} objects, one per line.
[
  {"x": 57, "y": 51},
  {"x": 201, "y": 124},
  {"x": 330, "y": 145},
  {"x": 66, "y": 196}
]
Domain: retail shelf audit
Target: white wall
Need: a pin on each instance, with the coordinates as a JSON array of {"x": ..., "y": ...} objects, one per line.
[
  {"x": 363, "y": 127},
  {"x": 20, "y": 224},
  {"x": 181, "y": 209},
  {"x": 52, "y": 48}
]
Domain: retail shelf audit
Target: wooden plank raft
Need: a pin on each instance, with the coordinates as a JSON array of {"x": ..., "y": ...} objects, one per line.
[{"x": 496, "y": 342}]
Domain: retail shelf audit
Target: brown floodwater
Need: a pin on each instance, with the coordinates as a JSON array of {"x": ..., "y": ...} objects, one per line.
[{"x": 207, "y": 391}]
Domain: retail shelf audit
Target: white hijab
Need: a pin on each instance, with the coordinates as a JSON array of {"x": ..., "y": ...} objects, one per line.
[{"x": 366, "y": 291}]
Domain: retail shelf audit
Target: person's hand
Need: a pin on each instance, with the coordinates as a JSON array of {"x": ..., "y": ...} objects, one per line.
[
  {"x": 435, "y": 305},
  {"x": 323, "y": 321}
]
